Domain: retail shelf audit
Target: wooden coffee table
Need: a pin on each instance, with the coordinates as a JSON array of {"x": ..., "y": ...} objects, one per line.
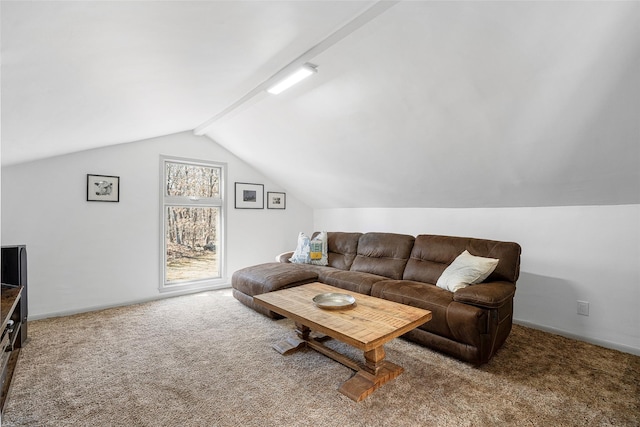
[{"x": 368, "y": 325}]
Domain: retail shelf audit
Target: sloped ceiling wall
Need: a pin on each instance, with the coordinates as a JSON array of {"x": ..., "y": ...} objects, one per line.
[
  {"x": 84, "y": 74},
  {"x": 428, "y": 104},
  {"x": 460, "y": 105}
]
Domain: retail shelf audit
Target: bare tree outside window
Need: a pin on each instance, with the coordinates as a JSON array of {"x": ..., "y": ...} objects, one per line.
[{"x": 192, "y": 181}]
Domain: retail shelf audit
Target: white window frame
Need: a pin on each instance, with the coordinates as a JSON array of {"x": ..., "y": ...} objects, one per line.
[{"x": 168, "y": 201}]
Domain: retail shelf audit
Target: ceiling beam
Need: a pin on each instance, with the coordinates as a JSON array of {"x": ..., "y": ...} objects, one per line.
[{"x": 365, "y": 17}]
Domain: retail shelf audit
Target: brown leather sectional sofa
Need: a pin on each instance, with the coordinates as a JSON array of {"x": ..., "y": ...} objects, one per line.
[{"x": 470, "y": 324}]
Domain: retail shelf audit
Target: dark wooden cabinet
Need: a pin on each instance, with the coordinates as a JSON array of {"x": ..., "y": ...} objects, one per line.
[
  {"x": 12, "y": 338},
  {"x": 14, "y": 273},
  {"x": 13, "y": 314}
]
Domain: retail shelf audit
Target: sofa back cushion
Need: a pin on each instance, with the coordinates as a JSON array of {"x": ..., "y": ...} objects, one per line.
[
  {"x": 432, "y": 254},
  {"x": 342, "y": 248},
  {"x": 384, "y": 254}
]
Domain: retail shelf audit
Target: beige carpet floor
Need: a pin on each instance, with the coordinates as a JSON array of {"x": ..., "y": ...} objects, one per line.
[{"x": 206, "y": 360}]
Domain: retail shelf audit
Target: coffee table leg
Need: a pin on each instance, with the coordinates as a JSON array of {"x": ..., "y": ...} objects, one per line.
[
  {"x": 303, "y": 331},
  {"x": 374, "y": 360},
  {"x": 369, "y": 376},
  {"x": 375, "y": 372},
  {"x": 293, "y": 344}
]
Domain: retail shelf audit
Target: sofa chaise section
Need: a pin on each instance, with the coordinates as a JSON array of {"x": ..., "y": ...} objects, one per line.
[{"x": 268, "y": 277}]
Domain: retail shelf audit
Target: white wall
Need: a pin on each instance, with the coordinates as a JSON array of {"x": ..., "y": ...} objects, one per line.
[
  {"x": 85, "y": 255},
  {"x": 588, "y": 253}
]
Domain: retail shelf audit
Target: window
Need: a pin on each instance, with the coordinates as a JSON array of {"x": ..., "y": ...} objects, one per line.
[{"x": 192, "y": 223}]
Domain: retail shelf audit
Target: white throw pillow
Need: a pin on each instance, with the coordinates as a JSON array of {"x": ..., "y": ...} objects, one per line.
[
  {"x": 319, "y": 249},
  {"x": 301, "y": 254},
  {"x": 466, "y": 270}
]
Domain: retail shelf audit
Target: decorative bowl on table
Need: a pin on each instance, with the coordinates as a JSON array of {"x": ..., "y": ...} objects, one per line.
[{"x": 334, "y": 301}]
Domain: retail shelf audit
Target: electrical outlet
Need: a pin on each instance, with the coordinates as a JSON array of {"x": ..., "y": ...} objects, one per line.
[{"x": 583, "y": 308}]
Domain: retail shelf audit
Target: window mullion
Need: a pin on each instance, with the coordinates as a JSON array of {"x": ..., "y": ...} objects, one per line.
[{"x": 187, "y": 201}]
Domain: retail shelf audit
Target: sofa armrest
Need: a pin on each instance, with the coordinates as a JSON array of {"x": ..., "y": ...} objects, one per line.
[
  {"x": 284, "y": 257},
  {"x": 488, "y": 295}
]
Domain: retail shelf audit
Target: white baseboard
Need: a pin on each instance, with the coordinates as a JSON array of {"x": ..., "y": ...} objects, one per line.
[
  {"x": 160, "y": 296},
  {"x": 601, "y": 343}
]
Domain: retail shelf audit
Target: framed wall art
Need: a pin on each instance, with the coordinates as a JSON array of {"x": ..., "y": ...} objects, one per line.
[
  {"x": 249, "y": 196},
  {"x": 276, "y": 200},
  {"x": 103, "y": 188}
]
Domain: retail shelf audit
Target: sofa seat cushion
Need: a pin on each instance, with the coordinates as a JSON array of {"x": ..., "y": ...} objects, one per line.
[
  {"x": 421, "y": 295},
  {"x": 350, "y": 280},
  {"x": 449, "y": 319},
  {"x": 261, "y": 278}
]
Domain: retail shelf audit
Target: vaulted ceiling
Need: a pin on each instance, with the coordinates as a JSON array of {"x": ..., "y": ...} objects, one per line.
[{"x": 415, "y": 103}]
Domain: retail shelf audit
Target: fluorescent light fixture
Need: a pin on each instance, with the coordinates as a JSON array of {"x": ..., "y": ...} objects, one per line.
[{"x": 300, "y": 74}]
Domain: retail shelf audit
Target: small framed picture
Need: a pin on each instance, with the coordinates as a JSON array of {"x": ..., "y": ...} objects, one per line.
[
  {"x": 249, "y": 196},
  {"x": 276, "y": 200},
  {"x": 103, "y": 188}
]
